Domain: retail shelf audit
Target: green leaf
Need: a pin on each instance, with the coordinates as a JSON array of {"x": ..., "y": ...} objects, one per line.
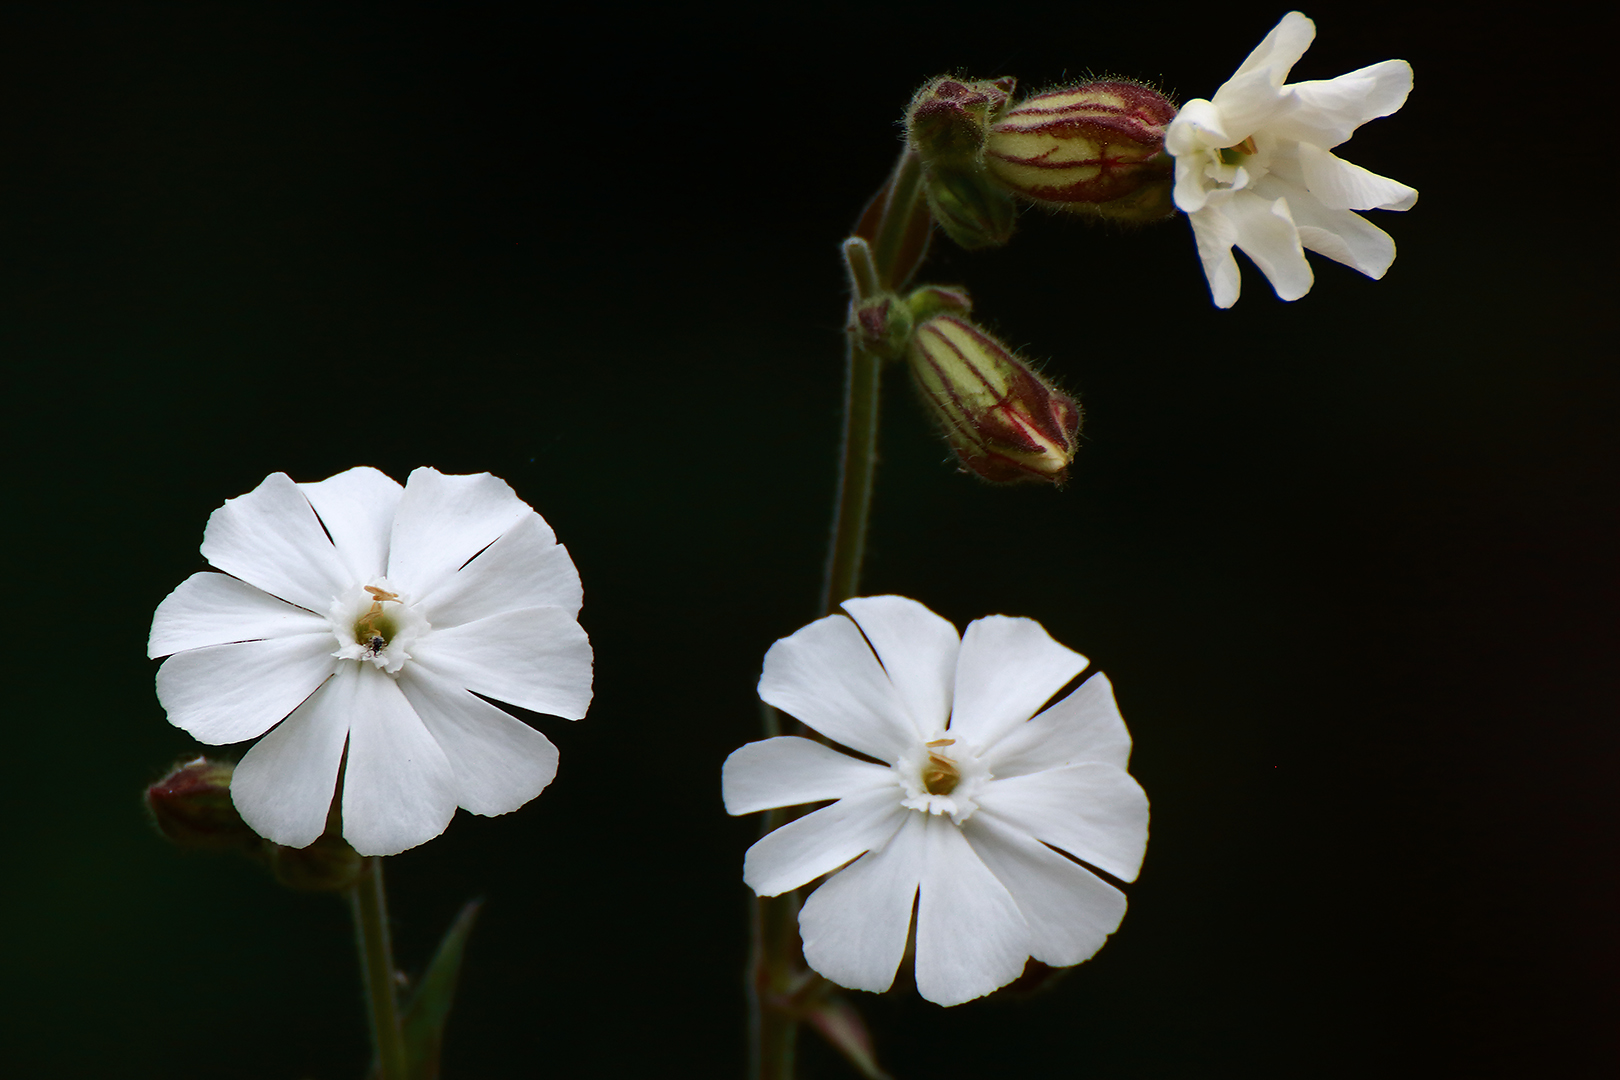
[
  {"x": 837, "y": 1021},
  {"x": 424, "y": 1017}
]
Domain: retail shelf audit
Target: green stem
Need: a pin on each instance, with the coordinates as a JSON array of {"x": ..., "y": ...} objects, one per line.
[
  {"x": 905, "y": 186},
  {"x": 773, "y": 1024},
  {"x": 369, "y": 901},
  {"x": 857, "y": 470}
]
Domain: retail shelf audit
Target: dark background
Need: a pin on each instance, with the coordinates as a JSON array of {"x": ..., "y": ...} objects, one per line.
[{"x": 1348, "y": 561}]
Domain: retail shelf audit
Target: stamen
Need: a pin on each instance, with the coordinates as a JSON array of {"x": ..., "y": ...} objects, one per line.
[
  {"x": 941, "y": 777},
  {"x": 941, "y": 742}
]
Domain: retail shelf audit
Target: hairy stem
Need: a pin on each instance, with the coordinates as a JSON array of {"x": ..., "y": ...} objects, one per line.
[{"x": 369, "y": 901}]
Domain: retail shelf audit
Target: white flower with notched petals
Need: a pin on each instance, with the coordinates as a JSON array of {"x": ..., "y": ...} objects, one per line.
[
  {"x": 358, "y": 622},
  {"x": 1254, "y": 167},
  {"x": 972, "y": 799}
]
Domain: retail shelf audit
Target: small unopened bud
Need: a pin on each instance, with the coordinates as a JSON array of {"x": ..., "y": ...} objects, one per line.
[
  {"x": 1005, "y": 422},
  {"x": 1096, "y": 149},
  {"x": 192, "y": 806},
  {"x": 947, "y": 119},
  {"x": 882, "y": 325},
  {"x": 947, "y": 124}
]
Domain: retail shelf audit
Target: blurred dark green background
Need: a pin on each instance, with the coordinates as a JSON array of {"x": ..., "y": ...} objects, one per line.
[{"x": 1349, "y": 561}]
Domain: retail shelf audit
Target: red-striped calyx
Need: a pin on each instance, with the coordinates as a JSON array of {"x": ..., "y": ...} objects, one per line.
[
  {"x": 1096, "y": 149},
  {"x": 1005, "y": 422}
]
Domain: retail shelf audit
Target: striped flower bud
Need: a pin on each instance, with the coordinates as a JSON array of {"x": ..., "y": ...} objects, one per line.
[
  {"x": 946, "y": 124},
  {"x": 1096, "y": 149},
  {"x": 1004, "y": 421}
]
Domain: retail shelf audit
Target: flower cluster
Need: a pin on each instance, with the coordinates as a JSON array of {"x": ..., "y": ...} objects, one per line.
[
  {"x": 966, "y": 798},
  {"x": 1254, "y": 167},
  {"x": 358, "y": 622}
]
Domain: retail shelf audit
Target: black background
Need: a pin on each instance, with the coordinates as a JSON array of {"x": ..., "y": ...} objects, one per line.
[{"x": 1348, "y": 561}]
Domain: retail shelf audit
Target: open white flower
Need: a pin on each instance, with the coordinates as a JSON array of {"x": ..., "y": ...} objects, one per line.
[
  {"x": 358, "y": 621},
  {"x": 1254, "y": 168},
  {"x": 965, "y": 811}
]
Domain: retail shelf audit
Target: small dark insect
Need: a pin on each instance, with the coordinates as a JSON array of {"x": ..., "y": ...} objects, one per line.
[{"x": 376, "y": 645}]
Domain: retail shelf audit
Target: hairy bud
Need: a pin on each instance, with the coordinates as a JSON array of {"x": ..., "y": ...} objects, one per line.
[
  {"x": 1005, "y": 422},
  {"x": 881, "y": 325},
  {"x": 947, "y": 124},
  {"x": 1096, "y": 149},
  {"x": 192, "y": 806}
]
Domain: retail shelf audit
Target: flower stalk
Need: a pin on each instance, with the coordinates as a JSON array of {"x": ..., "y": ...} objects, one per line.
[{"x": 368, "y": 899}]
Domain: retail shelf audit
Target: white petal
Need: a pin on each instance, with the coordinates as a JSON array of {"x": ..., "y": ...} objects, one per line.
[
  {"x": 1254, "y": 95},
  {"x": 856, "y": 924},
  {"x": 806, "y": 848},
  {"x": 1069, "y": 910},
  {"x": 1249, "y": 102},
  {"x": 1341, "y": 235},
  {"x": 1266, "y": 234},
  {"x": 227, "y": 693},
  {"x": 525, "y": 568},
  {"x": 538, "y": 658},
  {"x": 283, "y": 788},
  {"x": 497, "y": 761},
  {"x": 1215, "y": 234},
  {"x": 1008, "y": 668},
  {"x": 918, "y": 650},
  {"x": 1094, "y": 812},
  {"x": 1190, "y": 194},
  {"x": 357, "y": 507},
  {"x": 443, "y": 521},
  {"x": 398, "y": 788},
  {"x": 826, "y": 675},
  {"x": 271, "y": 538},
  {"x": 213, "y": 609},
  {"x": 1326, "y": 112},
  {"x": 788, "y": 770},
  {"x": 1339, "y": 185},
  {"x": 1281, "y": 49},
  {"x": 1085, "y": 726},
  {"x": 1197, "y": 128},
  {"x": 971, "y": 937}
]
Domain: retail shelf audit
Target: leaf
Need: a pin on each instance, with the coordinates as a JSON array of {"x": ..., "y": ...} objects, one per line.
[
  {"x": 423, "y": 1022},
  {"x": 836, "y": 1019}
]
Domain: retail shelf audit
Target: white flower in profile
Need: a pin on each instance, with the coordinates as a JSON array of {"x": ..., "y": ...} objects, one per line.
[
  {"x": 358, "y": 622},
  {"x": 977, "y": 797},
  {"x": 1254, "y": 167}
]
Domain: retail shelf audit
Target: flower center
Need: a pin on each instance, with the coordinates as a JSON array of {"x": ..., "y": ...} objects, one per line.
[
  {"x": 375, "y": 623},
  {"x": 1234, "y": 154},
  {"x": 377, "y": 627},
  {"x": 941, "y": 776}
]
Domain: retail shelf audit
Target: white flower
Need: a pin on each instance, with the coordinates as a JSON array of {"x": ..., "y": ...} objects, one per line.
[
  {"x": 359, "y": 623},
  {"x": 961, "y": 812},
  {"x": 1253, "y": 167}
]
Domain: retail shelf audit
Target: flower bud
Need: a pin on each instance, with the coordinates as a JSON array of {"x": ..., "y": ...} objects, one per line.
[
  {"x": 946, "y": 124},
  {"x": 1096, "y": 149},
  {"x": 947, "y": 120},
  {"x": 1005, "y": 422},
  {"x": 882, "y": 325},
  {"x": 327, "y": 865},
  {"x": 192, "y": 806}
]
